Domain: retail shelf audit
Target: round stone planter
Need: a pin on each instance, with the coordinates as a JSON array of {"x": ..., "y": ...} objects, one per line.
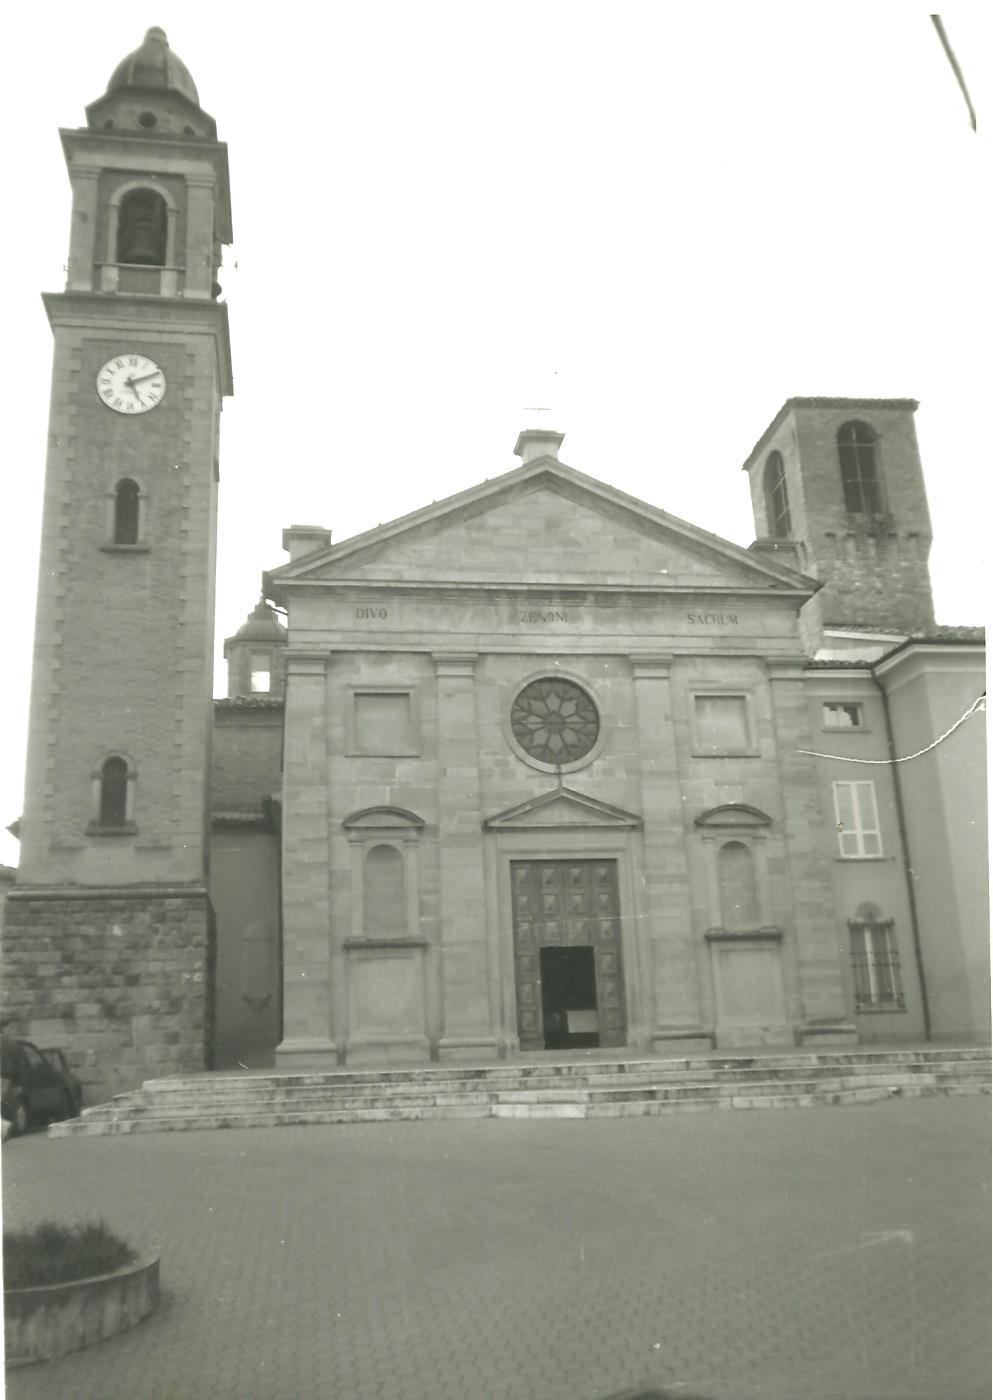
[{"x": 41, "y": 1323}]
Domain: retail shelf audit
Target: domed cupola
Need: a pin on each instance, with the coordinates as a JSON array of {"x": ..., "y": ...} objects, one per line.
[
  {"x": 152, "y": 93},
  {"x": 154, "y": 65},
  {"x": 255, "y": 655}
]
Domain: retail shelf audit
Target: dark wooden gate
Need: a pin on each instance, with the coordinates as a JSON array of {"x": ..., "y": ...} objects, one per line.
[{"x": 563, "y": 903}]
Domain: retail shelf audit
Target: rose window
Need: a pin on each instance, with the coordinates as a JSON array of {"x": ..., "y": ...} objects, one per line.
[{"x": 554, "y": 721}]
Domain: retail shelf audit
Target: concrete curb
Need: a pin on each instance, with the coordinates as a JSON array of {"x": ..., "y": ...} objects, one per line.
[{"x": 42, "y": 1323}]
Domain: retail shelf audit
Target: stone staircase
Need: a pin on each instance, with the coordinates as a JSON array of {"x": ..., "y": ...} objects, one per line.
[{"x": 541, "y": 1088}]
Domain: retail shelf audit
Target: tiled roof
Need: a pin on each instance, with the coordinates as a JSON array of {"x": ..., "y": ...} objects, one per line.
[
  {"x": 838, "y": 665},
  {"x": 938, "y": 633},
  {"x": 248, "y": 702}
]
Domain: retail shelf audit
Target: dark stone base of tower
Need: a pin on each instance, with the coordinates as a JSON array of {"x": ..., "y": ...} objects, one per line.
[{"x": 122, "y": 980}]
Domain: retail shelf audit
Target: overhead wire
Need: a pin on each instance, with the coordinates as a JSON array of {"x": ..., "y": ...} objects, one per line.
[{"x": 978, "y": 706}]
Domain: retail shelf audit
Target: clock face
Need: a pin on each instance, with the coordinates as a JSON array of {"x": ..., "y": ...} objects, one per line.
[{"x": 131, "y": 383}]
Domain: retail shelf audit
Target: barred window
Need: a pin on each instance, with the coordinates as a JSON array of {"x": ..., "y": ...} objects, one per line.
[
  {"x": 859, "y": 472},
  {"x": 857, "y": 820},
  {"x": 777, "y": 506},
  {"x": 875, "y": 963}
]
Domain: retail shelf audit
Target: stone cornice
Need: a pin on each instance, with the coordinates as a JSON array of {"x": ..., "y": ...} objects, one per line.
[
  {"x": 111, "y": 312},
  {"x": 48, "y": 893},
  {"x": 455, "y": 663},
  {"x": 652, "y": 667},
  {"x": 306, "y": 663},
  {"x": 575, "y": 592}
]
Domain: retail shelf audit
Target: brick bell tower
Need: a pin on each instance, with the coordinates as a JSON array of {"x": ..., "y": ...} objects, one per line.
[
  {"x": 838, "y": 484},
  {"x": 108, "y": 947}
]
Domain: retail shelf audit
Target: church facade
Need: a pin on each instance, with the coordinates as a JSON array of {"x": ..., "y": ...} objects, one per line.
[{"x": 538, "y": 768}]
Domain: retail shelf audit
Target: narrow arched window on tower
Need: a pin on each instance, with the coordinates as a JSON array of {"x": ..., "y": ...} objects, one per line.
[
  {"x": 141, "y": 229},
  {"x": 777, "y": 506},
  {"x": 127, "y": 502},
  {"x": 859, "y": 470},
  {"x": 114, "y": 792}
]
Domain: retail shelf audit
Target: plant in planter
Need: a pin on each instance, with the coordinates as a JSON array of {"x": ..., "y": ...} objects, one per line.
[
  {"x": 49, "y": 1253},
  {"x": 66, "y": 1287}
]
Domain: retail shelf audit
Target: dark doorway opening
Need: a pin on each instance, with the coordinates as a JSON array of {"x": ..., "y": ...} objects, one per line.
[{"x": 568, "y": 998}]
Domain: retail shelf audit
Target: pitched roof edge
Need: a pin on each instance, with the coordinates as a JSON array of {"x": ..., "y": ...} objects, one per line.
[
  {"x": 533, "y": 472},
  {"x": 819, "y": 402}
]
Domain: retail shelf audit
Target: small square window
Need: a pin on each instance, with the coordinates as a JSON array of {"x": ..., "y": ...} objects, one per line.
[
  {"x": 722, "y": 724},
  {"x": 842, "y": 714},
  {"x": 383, "y": 723}
]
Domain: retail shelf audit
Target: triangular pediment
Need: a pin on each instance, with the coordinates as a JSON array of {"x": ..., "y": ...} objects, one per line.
[
  {"x": 543, "y": 524},
  {"x": 561, "y": 807}
]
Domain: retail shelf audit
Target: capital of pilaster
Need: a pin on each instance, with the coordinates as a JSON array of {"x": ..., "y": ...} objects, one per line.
[
  {"x": 455, "y": 663},
  {"x": 306, "y": 663},
  {"x": 79, "y": 171},
  {"x": 651, "y": 666}
]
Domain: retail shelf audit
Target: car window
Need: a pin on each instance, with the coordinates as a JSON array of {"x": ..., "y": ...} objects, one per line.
[
  {"x": 57, "y": 1060},
  {"x": 33, "y": 1057}
]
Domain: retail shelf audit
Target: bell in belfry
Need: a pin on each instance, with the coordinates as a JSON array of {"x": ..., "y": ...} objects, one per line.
[{"x": 141, "y": 230}]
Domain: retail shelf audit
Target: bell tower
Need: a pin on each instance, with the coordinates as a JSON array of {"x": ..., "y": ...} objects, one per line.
[
  {"x": 839, "y": 482},
  {"x": 109, "y": 929}
]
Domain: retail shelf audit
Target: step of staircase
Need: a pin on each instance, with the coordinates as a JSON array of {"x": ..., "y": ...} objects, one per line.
[{"x": 577, "y": 1088}]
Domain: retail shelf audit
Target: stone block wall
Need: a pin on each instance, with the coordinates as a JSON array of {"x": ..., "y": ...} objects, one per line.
[
  {"x": 246, "y": 760},
  {"x": 122, "y": 983}
]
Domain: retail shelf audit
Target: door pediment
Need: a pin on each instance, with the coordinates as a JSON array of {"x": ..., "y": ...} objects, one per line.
[
  {"x": 733, "y": 815},
  {"x": 558, "y": 808}
]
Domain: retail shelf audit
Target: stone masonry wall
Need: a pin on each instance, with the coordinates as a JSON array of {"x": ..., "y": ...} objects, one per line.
[{"x": 122, "y": 984}]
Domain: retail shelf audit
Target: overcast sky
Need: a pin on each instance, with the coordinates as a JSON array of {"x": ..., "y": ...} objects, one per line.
[{"x": 660, "y": 221}]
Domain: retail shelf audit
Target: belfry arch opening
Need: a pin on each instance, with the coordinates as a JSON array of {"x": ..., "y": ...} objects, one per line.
[{"x": 142, "y": 229}]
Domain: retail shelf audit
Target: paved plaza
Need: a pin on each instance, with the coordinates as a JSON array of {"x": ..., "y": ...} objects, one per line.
[{"x": 812, "y": 1254}]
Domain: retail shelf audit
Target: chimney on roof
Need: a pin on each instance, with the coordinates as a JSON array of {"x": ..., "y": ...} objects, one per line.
[
  {"x": 537, "y": 442},
  {"x": 299, "y": 540}
]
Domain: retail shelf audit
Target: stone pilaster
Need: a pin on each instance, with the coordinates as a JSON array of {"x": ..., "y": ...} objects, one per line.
[
  {"x": 667, "y": 937},
  {"x": 467, "y": 1023},
  {"x": 824, "y": 1015},
  {"x": 307, "y": 1033}
]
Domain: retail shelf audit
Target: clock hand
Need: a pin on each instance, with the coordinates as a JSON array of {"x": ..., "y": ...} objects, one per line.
[{"x": 139, "y": 378}]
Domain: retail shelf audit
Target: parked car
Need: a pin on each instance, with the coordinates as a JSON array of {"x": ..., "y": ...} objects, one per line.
[
  {"x": 56, "y": 1058},
  {"x": 32, "y": 1089}
]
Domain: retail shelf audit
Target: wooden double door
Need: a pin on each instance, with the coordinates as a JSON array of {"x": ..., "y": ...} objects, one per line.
[{"x": 567, "y": 954}]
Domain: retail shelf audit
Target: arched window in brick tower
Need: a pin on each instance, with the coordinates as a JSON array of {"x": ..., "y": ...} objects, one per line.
[
  {"x": 127, "y": 503},
  {"x": 114, "y": 792},
  {"x": 141, "y": 229},
  {"x": 777, "y": 506},
  {"x": 859, "y": 469}
]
